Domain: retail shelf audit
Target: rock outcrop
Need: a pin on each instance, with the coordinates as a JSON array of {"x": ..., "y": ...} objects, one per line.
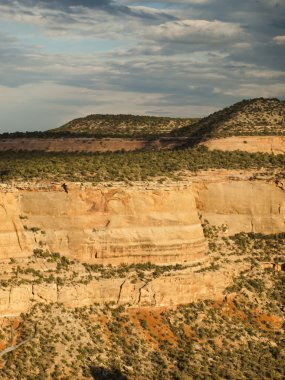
[
  {"x": 114, "y": 224},
  {"x": 90, "y": 144},
  {"x": 101, "y": 224},
  {"x": 241, "y": 205},
  {"x": 251, "y": 144},
  {"x": 169, "y": 290}
]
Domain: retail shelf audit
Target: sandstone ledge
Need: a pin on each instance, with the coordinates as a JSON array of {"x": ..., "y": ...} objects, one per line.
[{"x": 251, "y": 144}]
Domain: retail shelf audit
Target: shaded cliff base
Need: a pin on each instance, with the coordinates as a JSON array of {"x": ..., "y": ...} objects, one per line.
[
  {"x": 89, "y": 144},
  {"x": 237, "y": 334}
]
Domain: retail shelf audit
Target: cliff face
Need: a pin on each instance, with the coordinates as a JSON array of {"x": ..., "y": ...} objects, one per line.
[
  {"x": 103, "y": 225},
  {"x": 244, "y": 206},
  {"x": 112, "y": 224},
  {"x": 179, "y": 288},
  {"x": 251, "y": 144},
  {"x": 76, "y": 144}
]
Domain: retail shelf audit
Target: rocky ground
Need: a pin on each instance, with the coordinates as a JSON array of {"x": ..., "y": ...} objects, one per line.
[{"x": 237, "y": 335}]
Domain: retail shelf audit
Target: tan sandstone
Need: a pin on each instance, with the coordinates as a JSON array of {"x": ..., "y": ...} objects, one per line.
[
  {"x": 109, "y": 225},
  {"x": 168, "y": 290},
  {"x": 251, "y": 144}
]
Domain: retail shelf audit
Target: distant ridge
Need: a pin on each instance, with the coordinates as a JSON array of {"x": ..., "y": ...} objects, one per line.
[
  {"x": 124, "y": 125},
  {"x": 254, "y": 117}
]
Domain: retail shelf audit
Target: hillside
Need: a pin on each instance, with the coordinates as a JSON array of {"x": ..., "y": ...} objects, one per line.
[
  {"x": 255, "y": 117},
  {"x": 123, "y": 125},
  {"x": 238, "y": 336},
  {"x": 256, "y": 125},
  {"x": 130, "y": 257}
]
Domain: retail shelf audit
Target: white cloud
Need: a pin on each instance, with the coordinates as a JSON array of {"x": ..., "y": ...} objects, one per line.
[
  {"x": 197, "y": 31},
  {"x": 280, "y": 40},
  {"x": 180, "y": 57},
  {"x": 256, "y": 91},
  {"x": 264, "y": 74},
  {"x": 48, "y": 105}
]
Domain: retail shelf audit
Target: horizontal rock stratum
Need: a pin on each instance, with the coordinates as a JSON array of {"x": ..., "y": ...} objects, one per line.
[
  {"x": 117, "y": 223},
  {"x": 88, "y": 144},
  {"x": 251, "y": 144},
  {"x": 108, "y": 225},
  {"x": 113, "y": 223}
]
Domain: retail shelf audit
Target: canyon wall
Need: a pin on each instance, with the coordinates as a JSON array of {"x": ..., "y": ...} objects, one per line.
[
  {"x": 180, "y": 287},
  {"x": 108, "y": 225},
  {"x": 242, "y": 205},
  {"x": 251, "y": 144},
  {"x": 113, "y": 224},
  {"x": 116, "y": 223}
]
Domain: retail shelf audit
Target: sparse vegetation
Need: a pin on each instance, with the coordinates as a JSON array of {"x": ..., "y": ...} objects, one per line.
[
  {"x": 132, "y": 166},
  {"x": 239, "y": 336},
  {"x": 123, "y": 126},
  {"x": 254, "y": 117},
  {"x": 234, "y": 338}
]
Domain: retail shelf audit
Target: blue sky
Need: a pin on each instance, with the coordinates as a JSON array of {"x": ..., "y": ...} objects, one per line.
[{"x": 62, "y": 59}]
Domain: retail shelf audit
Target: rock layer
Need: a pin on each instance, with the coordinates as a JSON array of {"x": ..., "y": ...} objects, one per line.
[
  {"x": 103, "y": 225},
  {"x": 76, "y": 144},
  {"x": 113, "y": 224},
  {"x": 177, "y": 288},
  {"x": 244, "y": 206},
  {"x": 251, "y": 144}
]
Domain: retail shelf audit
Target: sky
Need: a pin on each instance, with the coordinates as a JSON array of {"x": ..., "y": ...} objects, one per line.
[{"x": 62, "y": 59}]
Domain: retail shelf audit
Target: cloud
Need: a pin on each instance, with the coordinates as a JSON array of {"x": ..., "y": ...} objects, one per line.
[
  {"x": 256, "y": 90},
  {"x": 47, "y": 105},
  {"x": 280, "y": 40},
  {"x": 30, "y": 8},
  {"x": 61, "y": 59},
  {"x": 197, "y": 32}
]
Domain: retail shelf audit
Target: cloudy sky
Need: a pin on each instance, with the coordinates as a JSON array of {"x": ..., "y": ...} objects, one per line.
[{"x": 62, "y": 59}]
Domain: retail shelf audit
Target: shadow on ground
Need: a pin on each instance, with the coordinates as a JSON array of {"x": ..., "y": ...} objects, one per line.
[{"x": 100, "y": 373}]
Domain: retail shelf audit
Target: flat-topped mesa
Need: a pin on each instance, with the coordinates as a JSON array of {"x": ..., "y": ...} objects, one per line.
[
  {"x": 104, "y": 225},
  {"x": 123, "y": 125}
]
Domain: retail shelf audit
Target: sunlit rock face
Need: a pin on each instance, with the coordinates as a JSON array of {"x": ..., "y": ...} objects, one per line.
[
  {"x": 251, "y": 144},
  {"x": 112, "y": 224},
  {"x": 138, "y": 223},
  {"x": 243, "y": 206},
  {"x": 108, "y": 225}
]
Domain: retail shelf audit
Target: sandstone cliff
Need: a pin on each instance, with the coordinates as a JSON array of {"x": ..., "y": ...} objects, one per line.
[
  {"x": 114, "y": 224},
  {"x": 178, "y": 288},
  {"x": 103, "y": 224},
  {"x": 243, "y": 205},
  {"x": 251, "y": 144}
]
